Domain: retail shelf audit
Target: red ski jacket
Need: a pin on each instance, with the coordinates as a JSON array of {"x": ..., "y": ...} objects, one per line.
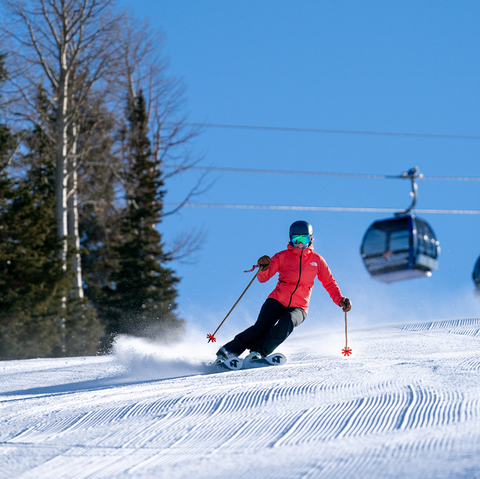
[{"x": 297, "y": 269}]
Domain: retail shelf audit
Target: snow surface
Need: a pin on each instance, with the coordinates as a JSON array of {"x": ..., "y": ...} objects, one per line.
[{"x": 405, "y": 405}]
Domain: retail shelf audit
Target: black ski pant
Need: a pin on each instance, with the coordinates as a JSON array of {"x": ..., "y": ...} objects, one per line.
[{"x": 274, "y": 324}]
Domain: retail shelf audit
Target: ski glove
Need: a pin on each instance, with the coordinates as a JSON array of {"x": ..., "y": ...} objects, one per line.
[
  {"x": 345, "y": 304},
  {"x": 263, "y": 263}
]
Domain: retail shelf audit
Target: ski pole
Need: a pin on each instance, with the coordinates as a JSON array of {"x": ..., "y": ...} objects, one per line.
[
  {"x": 211, "y": 337},
  {"x": 346, "y": 351}
]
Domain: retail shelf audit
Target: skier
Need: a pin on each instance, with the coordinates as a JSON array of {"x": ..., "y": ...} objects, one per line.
[{"x": 286, "y": 307}]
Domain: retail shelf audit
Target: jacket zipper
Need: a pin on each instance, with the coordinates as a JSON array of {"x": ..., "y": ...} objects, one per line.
[{"x": 298, "y": 282}]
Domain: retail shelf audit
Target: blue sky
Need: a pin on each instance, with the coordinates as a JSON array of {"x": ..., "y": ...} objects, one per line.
[{"x": 390, "y": 66}]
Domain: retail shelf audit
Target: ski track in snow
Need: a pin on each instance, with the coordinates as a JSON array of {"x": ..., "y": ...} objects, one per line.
[{"x": 406, "y": 404}]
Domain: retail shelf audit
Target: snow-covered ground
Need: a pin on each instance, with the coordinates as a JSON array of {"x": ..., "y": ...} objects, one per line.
[{"x": 405, "y": 405}]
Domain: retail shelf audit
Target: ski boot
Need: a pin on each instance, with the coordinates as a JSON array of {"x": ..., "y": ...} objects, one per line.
[{"x": 223, "y": 355}]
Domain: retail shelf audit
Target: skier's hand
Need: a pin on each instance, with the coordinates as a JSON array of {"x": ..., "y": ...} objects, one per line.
[
  {"x": 345, "y": 304},
  {"x": 263, "y": 262}
]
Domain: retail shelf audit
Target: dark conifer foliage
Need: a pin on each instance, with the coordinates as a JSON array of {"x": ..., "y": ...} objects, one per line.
[
  {"x": 33, "y": 280},
  {"x": 100, "y": 215},
  {"x": 30, "y": 273},
  {"x": 140, "y": 298},
  {"x": 81, "y": 329}
]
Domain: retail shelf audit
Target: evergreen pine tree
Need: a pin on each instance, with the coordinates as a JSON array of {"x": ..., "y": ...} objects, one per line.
[
  {"x": 141, "y": 293},
  {"x": 33, "y": 280},
  {"x": 29, "y": 270},
  {"x": 32, "y": 277},
  {"x": 99, "y": 216},
  {"x": 81, "y": 329}
]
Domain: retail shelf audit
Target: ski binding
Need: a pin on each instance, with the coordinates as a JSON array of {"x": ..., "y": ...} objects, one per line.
[{"x": 275, "y": 359}]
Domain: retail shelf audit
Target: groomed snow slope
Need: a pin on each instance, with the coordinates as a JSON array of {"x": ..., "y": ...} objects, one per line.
[{"x": 405, "y": 405}]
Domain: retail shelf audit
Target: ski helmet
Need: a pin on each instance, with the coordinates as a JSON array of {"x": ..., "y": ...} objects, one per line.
[{"x": 301, "y": 228}]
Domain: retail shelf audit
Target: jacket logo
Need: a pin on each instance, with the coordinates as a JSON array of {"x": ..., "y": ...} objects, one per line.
[{"x": 314, "y": 264}]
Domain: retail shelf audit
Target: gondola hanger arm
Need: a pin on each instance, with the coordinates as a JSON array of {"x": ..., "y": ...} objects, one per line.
[{"x": 413, "y": 175}]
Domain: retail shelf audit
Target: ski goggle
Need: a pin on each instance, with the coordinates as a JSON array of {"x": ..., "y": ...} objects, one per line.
[{"x": 300, "y": 239}]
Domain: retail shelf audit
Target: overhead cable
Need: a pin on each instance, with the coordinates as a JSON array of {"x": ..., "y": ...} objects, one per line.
[
  {"x": 321, "y": 208},
  {"x": 342, "y": 132},
  {"x": 318, "y": 173}
]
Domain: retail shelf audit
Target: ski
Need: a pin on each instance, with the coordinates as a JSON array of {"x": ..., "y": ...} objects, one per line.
[
  {"x": 236, "y": 364},
  {"x": 275, "y": 359},
  {"x": 230, "y": 364}
]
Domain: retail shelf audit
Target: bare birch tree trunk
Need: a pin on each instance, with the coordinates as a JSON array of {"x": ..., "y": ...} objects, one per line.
[
  {"x": 73, "y": 218},
  {"x": 61, "y": 180}
]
